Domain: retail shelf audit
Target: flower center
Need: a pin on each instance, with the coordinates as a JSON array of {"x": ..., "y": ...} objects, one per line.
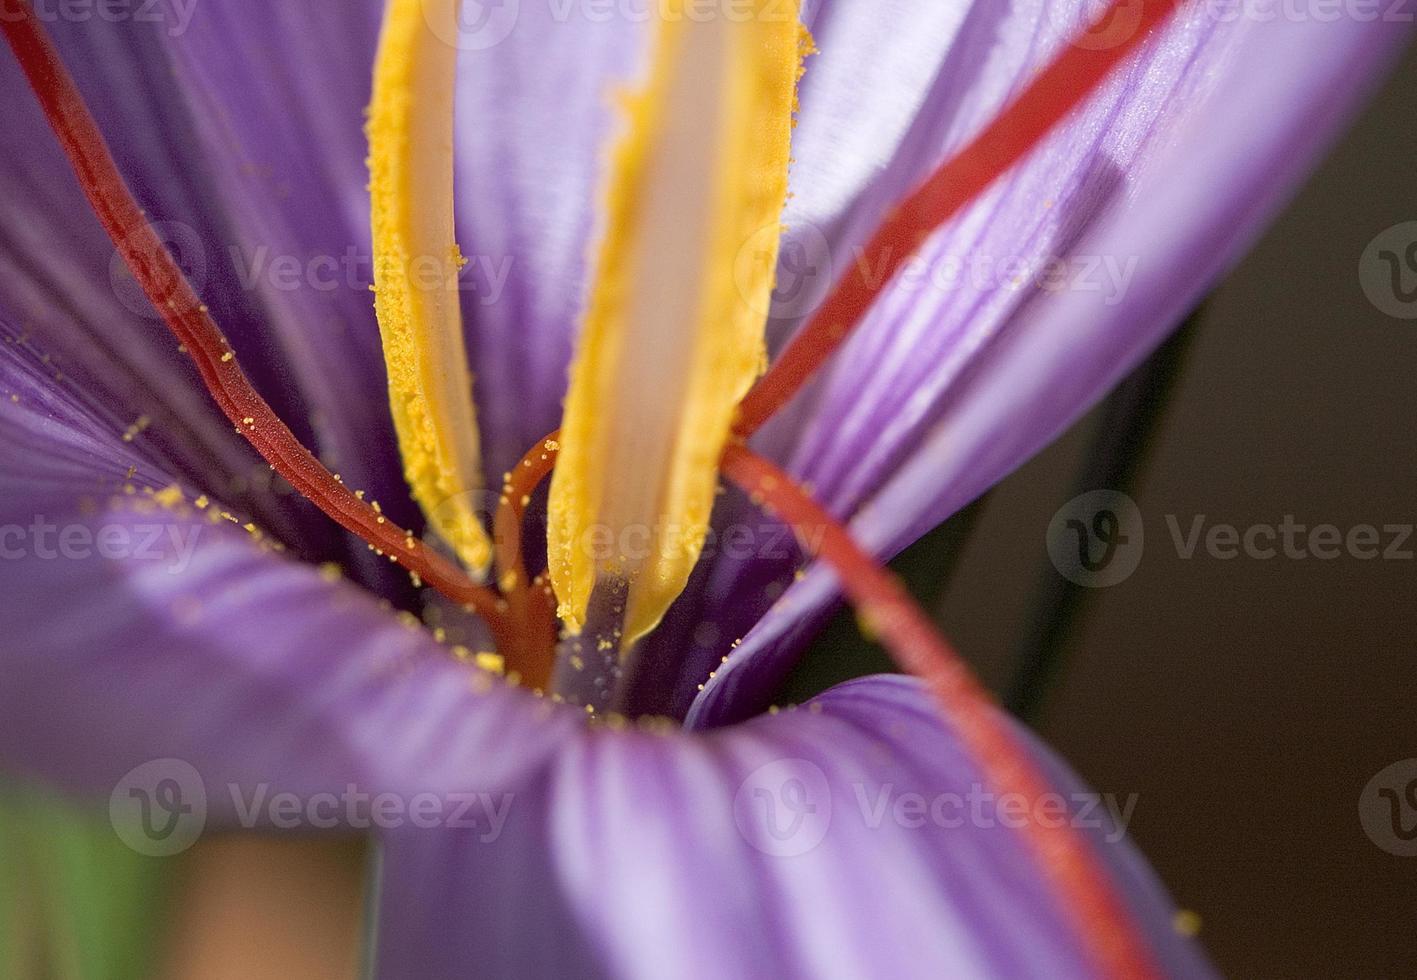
[{"x": 422, "y": 330}]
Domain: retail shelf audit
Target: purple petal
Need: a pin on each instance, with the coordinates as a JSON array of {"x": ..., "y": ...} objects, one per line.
[
  {"x": 90, "y": 322},
  {"x": 590, "y": 850},
  {"x": 140, "y": 627},
  {"x": 535, "y": 112},
  {"x": 286, "y": 149},
  {"x": 865, "y": 417},
  {"x": 528, "y": 214},
  {"x": 274, "y": 240},
  {"x": 891, "y": 83},
  {"x": 1174, "y": 167},
  {"x": 140, "y": 631},
  {"x": 836, "y": 841}
]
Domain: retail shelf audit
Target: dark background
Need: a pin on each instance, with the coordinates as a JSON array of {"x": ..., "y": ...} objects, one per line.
[{"x": 1248, "y": 702}]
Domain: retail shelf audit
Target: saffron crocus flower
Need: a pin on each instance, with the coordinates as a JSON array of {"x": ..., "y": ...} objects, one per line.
[{"x": 166, "y": 597}]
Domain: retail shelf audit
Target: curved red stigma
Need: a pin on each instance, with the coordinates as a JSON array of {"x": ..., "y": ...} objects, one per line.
[
  {"x": 186, "y": 316},
  {"x": 1072, "y": 76},
  {"x": 532, "y": 606},
  {"x": 887, "y": 611}
]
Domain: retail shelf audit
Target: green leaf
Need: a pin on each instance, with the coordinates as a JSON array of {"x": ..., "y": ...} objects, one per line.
[{"x": 75, "y": 902}]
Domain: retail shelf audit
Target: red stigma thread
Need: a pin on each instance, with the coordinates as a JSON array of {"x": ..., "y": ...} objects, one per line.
[
  {"x": 1084, "y": 890},
  {"x": 1073, "y": 75},
  {"x": 532, "y": 604},
  {"x": 170, "y": 293}
]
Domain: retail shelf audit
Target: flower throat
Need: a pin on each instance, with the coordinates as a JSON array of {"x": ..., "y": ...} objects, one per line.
[{"x": 520, "y": 613}]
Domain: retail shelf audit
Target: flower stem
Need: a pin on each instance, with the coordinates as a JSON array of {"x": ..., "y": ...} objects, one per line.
[{"x": 1131, "y": 417}]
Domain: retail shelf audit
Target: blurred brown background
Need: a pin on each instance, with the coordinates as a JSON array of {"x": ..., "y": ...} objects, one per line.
[{"x": 1248, "y": 702}]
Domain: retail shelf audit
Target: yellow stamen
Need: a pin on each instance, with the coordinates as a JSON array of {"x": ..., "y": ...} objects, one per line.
[
  {"x": 416, "y": 264},
  {"x": 673, "y": 333}
]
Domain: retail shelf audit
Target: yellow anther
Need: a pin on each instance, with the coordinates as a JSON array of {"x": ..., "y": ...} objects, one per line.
[
  {"x": 416, "y": 265},
  {"x": 673, "y": 334}
]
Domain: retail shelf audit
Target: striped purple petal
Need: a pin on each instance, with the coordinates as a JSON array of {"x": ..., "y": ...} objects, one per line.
[
  {"x": 148, "y": 638},
  {"x": 1146, "y": 198},
  {"x": 850, "y": 838}
]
